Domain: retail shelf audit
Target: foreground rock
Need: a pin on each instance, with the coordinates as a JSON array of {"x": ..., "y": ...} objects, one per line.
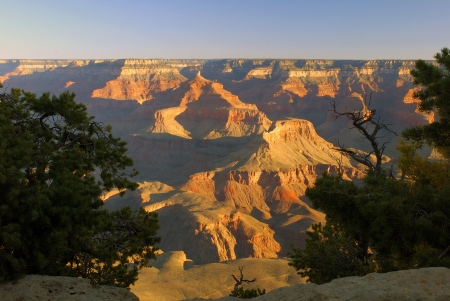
[
  {"x": 173, "y": 277},
  {"x": 421, "y": 284},
  {"x": 37, "y": 288}
]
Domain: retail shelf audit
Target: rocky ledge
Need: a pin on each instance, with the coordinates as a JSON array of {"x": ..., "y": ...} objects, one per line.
[
  {"x": 40, "y": 288},
  {"x": 420, "y": 284}
]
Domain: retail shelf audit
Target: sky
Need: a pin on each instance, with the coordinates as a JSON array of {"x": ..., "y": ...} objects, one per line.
[{"x": 213, "y": 29}]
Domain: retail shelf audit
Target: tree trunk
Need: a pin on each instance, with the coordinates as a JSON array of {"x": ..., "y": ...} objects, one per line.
[{"x": 235, "y": 291}]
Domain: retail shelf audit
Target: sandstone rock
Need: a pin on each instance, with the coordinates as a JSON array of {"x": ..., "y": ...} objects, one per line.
[
  {"x": 40, "y": 76},
  {"x": 238, "y": 140},
  {"x": 68, "y": 84},
  {"x": 40, "y": 288},
  {"x": 421, "y": 284},
  {"x": 265, "y": 180},
  {"x": 202, "y": 109},
  {"x": 24, "y": 67},
  {"x": 174, "y": 277},
  {"x": 280, "y": 88},
  {"x": 205, "y": 229},
  {"x": 139, "y": 80}
]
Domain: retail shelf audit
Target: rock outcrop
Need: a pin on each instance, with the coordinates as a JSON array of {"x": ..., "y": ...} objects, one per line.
[
  {"x": 43, "y": 288},
  {"x": 205, "y": 229},
  {"x": 420, "y": 284},
  {"x": 13, "y": 68},
  {"x": 279, "y": 88},
  {"x": 202, "y": 109},
  {"x": 84, "y": 76},
  {"x": 174, "y": 277},
  {"x": 244, "y": 203},
  {"x": 223, "y": 156},
  {"x": 140, "y": 80}
]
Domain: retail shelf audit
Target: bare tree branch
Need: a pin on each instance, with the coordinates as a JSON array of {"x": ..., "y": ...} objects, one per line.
[
  {"x": 369, "y": 127},
  {"x": 240, "y": 281}
]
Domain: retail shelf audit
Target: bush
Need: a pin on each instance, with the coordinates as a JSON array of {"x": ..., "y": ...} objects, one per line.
[{"x": 248, "y": 294}]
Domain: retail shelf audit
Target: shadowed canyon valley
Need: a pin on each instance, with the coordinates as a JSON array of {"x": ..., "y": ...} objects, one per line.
[{"x": 227, "y": 148}]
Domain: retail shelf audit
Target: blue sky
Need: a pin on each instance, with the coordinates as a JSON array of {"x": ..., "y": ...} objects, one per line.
[{"x": 315, "y": 29}]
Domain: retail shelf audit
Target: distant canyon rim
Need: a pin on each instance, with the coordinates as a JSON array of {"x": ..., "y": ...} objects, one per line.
[{"x": 227, "y": 148}]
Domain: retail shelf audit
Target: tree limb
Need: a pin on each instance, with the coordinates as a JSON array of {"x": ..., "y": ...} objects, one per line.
[
  {"x": 240, "y": 281},
  {"x": 361, "y": 120}
]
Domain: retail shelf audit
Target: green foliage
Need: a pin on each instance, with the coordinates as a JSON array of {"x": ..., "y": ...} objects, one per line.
[
  {"x": 328, "y": 255},
  {"x": 413, "y": 166},
  {"x": 404, "y": 222},
  {"x": 248, "y": 294},
  {"x": 405, "y": 225},
  {"x": 435, "y": 96},
  {"x": 51, "y": 216},
  {"x": 125, "y": 236}
]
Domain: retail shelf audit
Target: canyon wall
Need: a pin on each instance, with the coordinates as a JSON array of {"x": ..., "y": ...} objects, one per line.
[
  {"x": 227, "y": 148},
  {"x": 278, "y": 88}
]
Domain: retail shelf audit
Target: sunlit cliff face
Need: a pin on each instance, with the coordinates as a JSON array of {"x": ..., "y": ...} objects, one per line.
[{"x": 227, "y": 148}]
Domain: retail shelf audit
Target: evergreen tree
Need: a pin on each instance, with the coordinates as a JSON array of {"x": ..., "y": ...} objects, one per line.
[
  {"x": 51, "y": 216},
  {"x": 413, "y": 166},
  {"x": 405, "y": 225},
  {"x": 404, "y": 222},
  {"x": 329, "y": 254},
  {"x": 248, "y": 293},
  {"x": 435, "y": 96}
]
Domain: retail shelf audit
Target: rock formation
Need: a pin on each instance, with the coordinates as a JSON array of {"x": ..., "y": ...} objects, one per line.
[
  {"x": 239, "y": 199},
  {"x": 175, "y": 277},
  {"x": 139, "y": 80},
  {"x": 419, "y": 284},
  {"x": 279, "y": 88},
  {"x": 40, "y": 288},
  {"x": 205, "y": 229},
  {"x": 236, "y": 177},
  {"x": 227, "y": 148}
]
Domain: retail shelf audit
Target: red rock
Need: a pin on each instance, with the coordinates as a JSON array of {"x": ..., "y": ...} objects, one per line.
[{"x": 238, "y": 146}]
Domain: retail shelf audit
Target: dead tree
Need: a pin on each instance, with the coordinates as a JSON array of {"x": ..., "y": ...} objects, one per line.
[
  {"x": 240, "y": 281},
  {"x": 365, "y": 122}
]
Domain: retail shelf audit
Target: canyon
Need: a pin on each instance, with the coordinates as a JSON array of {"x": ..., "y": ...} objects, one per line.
[{"x": 227, "y": 148}]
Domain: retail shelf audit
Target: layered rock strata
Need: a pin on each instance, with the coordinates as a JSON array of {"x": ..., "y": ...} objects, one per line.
[
  {"x": 235, "y": 146},
  {"x": 205, "y": 229},
  {"x": 279, "y": 88},
  {"x": 140, "y": 80},
  {"x": 202, "y": 109},
  {"x": 253, "y": 191}
]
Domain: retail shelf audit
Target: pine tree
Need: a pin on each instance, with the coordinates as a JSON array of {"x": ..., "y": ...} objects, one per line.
[
  {"x": 55, "y": 162},
  {"x": 413, "y": 166},
  {"x": 435, "y": 96},
  {"x": 404, "y": 222}
]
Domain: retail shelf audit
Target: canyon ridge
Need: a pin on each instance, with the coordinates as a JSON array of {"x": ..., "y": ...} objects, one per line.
[{"x": 227, "y": 148}]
